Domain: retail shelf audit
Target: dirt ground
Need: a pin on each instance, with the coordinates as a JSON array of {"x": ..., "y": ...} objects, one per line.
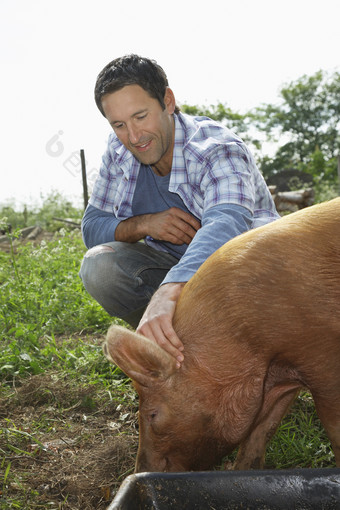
[{"x": 72, "y": 457}]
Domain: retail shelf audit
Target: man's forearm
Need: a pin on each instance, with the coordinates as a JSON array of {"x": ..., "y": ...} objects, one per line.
[
  {"x": 172, "y": 225},
  {"x": 220, "y": 224},
  {"x": 132, "y": 229}
]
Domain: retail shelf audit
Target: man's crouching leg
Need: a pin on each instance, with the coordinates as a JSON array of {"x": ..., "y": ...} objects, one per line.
[{"x": 122, "y": 277}]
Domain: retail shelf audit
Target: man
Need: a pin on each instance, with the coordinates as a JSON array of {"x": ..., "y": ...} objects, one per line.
[{"x": 183, "y": 185}]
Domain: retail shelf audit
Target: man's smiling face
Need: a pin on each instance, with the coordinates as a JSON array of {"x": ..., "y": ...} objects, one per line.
[{"x": 142, "y": 125}]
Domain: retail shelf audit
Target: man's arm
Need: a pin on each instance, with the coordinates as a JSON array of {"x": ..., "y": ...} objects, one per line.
[
  {"x": 219, "y": 224},
  {"x": 172, "y": 225}
]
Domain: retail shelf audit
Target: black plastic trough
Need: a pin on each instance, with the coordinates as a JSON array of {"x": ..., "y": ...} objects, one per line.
[{"x": 298, "y": 489}]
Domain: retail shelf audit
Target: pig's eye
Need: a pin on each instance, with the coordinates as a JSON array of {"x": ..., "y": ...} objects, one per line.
[{"x": 152, "y": 415}]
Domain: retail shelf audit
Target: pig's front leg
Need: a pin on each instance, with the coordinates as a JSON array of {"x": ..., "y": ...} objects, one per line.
[{"x": 252, "y": 450}]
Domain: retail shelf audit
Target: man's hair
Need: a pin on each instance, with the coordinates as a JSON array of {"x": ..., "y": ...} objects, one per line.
[{"x": 132, "y": 70}]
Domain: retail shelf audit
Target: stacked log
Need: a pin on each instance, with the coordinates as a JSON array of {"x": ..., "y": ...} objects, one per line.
[{"x": 291, "y": 201}]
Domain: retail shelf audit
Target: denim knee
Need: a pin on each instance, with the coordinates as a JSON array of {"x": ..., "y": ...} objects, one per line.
[
  {"x": 122, "y": 277},
  {"x": 104, "y": 281}
]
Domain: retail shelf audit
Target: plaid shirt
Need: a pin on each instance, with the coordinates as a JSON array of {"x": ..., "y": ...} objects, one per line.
[{"x": 211, "y": 166}]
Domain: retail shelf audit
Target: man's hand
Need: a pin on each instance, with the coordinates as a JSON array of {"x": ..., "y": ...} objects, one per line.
[
  {"x": 173, "y": 225},
  {"x": 156, "y": 323}
]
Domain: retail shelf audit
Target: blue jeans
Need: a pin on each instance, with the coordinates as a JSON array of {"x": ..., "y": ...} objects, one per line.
[{"x": 122, "y": 277}]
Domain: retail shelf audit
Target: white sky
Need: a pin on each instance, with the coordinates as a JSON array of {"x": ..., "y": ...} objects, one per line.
[{"x": 237, "y": 52}]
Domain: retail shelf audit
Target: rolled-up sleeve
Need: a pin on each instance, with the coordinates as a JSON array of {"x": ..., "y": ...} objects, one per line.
[
  {"x": 219, "y": 224},
  {"x": 229, "y": 178}
]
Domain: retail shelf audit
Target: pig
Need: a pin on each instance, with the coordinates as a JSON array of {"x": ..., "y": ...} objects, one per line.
[{"x": 260, "y": 320}]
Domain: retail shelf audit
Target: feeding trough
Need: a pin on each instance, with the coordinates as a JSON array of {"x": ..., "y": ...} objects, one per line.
[{"x": 298, "y": 489}]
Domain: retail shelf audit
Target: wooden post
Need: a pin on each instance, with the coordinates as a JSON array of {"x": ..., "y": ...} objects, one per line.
[
  {"x": 83, "y": 171},
  {"x": 339, "y": 172}
]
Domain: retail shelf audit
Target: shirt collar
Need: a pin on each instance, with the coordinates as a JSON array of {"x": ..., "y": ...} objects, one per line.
[{"x": 178, "y": 170}]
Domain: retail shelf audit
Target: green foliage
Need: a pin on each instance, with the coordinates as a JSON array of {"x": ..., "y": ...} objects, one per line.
[
  {"x": 321, "y": 168},
  {"x": 325, "y": 190},
  {"x": 220, "y": 112},
  {"x": 309, "y": 114},
  {"x": 301, "y": 440},
  {"x": 305, "y": 125},
  {"x": 53, "y": 205},
  {"x": 42, "y": 296},
  {"x": 237, "y": 122}
]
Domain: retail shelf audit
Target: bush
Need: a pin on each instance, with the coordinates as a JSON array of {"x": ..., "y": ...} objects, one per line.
[
  {"x": 326, "y": 190},
  {"x": 53, "y": 205}
]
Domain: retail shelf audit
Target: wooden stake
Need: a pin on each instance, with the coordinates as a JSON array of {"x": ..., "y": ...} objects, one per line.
[{"x": 83, "y": 171}]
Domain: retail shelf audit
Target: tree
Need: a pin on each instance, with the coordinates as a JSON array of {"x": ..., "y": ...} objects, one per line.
[
  {"x": 308, "y": 120},
  {"x": 237, "y": 122},
  {"x": 304, "y": 127}
]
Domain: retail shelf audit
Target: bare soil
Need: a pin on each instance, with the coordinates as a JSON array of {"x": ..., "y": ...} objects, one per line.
[{"x": 66, "y": 450}]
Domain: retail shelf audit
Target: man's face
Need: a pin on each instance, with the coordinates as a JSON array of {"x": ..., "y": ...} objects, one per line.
[{"x": 141, "y": 125}]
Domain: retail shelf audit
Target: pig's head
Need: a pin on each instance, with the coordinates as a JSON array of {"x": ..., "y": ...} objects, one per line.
[{"x": 176, "y": 416}]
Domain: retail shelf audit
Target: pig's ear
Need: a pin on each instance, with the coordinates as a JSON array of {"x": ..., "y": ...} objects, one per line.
[{"x": 140, "y": 358}]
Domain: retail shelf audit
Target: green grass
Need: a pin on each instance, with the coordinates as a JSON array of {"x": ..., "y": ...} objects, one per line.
[
  {"x": 42, "y": 298},
  {"x": 300, "y": 440}
]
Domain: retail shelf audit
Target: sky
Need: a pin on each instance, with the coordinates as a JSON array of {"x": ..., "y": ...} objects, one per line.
[{"x": 236, "y": 52}]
